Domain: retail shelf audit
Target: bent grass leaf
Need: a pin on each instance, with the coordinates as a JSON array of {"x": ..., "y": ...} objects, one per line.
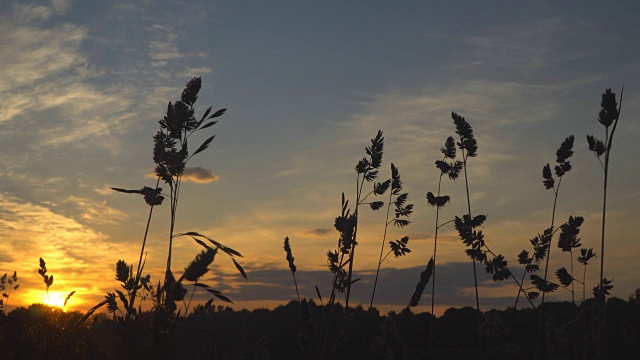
[
  {"x": 204, "y": 145},
  {"x": 68, "y": 297},
  {"x": 218, "y": 113},
  {"x": 209, "y": 124},
  {"x": 240, "y": 269}
]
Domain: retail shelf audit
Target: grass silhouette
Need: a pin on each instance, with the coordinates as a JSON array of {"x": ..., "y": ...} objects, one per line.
[
  {"x": 399, "y": 247},
  {"x": 334, "y": 330}
]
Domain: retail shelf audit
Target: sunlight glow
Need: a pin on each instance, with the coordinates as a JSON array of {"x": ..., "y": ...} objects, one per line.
[{"x": 55, "y": 299}]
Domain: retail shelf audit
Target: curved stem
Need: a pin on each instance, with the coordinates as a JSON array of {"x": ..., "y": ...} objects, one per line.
[
  {"x": 475, "y": 275},
  {"x": 573, "y": 297},
  {"x": 433, "y": 275},
  {"x": 384, "y": 238},
  {"x": 140, "y": 266},
  {"x": 353, "y": 245},
  {"x": 553, "y": 217},
  {"x": 296, "y": 284}
]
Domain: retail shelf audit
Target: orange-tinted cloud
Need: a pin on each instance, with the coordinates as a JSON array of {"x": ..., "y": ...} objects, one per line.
[
  {"x": 199, "y": 175},
  {"x": 196, "y": 174}
]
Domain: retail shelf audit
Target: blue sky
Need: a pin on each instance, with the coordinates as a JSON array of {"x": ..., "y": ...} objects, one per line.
[{"x": 307, "y": 85}]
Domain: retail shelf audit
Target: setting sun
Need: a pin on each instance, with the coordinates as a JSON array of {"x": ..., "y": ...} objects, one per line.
[{"x": 54, "y": 299}]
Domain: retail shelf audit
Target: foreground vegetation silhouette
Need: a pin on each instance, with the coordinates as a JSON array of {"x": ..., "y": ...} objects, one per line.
[
  {"x": 38, "y": 332},
  {"x": 173, "y": 329}
]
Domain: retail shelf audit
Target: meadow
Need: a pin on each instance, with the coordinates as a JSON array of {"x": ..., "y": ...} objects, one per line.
[{"x": 593, "y": 325}]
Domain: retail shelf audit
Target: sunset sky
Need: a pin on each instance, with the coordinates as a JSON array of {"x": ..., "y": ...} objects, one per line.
[{"x": 307, "y": 85}]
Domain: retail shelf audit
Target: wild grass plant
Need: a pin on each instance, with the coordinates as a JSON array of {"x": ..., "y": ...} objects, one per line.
[
  {"x": 347, "y": 223},
  {"x": 48, "y": 281},
  {"x": 469, "y": 148},
  {"x": 292, "y": 266},
  {"x": 451, "y": 167},
  {"x": 608, "y": 116},
  {"x": 171, "y": 154},
  {"x": 7, "y": 285},
  {"x": 565, "y": 151},
  {"x": 399, "y": 247}
]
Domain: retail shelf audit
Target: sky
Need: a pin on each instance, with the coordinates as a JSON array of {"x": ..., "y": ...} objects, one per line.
[{"x": 307, "y": 85}]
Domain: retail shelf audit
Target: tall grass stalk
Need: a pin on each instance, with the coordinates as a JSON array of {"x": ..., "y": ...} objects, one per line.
[
  {"x": 399, "y": 247},
  {"x": 292, "y": 266},
  {"x": 469, "y": 147},
  {"x": 367, "y": 169},
  {"x": 608, "y": 117},
  {"x": 564, "y": 152},
  {"x": 452, "y": 169}
]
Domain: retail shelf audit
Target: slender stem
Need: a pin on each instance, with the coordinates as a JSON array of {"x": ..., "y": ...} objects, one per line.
[
  {"x": 140, "y": 267},
  {"x": 520, "y": 290},
  {"x": 584, "y": 278},
  {"x": 510, "y": 275},
  {"x": 556, "y": 191},
  {"x": 296, "y": 283},
  {"x": 433, "y": 274},
  {"x": 573, "y": 297},
  {"x": 475, "y": 275},
  {"x": 174, "y": 208},
  {"x": 604, "y": 213},
  {"x": 384, "y": 238},
  {"x": 188, "y": 305},
  {"x": 353, "y": 244},
  {"x": 385, "y": 257}
]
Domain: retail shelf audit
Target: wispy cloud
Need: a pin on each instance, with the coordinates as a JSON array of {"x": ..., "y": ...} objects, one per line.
[{"x": 95, "y": 212}]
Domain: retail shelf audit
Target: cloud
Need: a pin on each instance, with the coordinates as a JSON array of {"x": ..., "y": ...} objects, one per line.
[
  {"x": 316, "y": 233},
  {"x": 164, "y": 48},
  {"x": 199, "y": 175},
  {"x": 96, "y": 212},
  {"x": 46, "y": 75},
  {"x": 454, "y": 286}
]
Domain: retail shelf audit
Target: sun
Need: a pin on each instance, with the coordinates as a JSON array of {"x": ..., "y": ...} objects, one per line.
[{"x": 54, "y": 299}]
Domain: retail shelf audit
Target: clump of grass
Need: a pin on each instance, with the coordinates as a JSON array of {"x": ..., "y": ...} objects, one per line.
[
  {"x": 399, "y": 247},
  {"x": 171, "y": 154},
  {"x": 347, "y": 223},
  {"x": 9, "y": 283}
]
